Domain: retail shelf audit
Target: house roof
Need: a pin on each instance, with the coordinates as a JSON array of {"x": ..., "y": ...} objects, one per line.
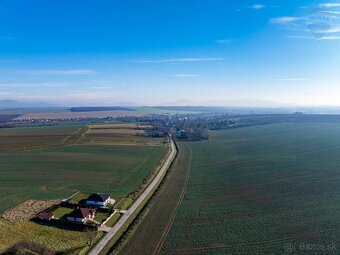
[
  {"x": 45, "y": 216},
  {"x": 81, "y": 213},
  {"x": 98, "y": 197}
]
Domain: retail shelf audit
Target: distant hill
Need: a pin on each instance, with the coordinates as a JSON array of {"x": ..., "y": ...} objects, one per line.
[
  {"x": 243, "y": 102},
  {"x": 198, "y": 109},
  {"x": 12, "y": 104}
]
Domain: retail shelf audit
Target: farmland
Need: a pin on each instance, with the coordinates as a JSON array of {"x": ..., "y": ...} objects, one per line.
[
  {"x": 55, "y": 162},
  {"x": 119, "y": 134},
  {"x": 45, "y": 174},
  {"x": 164, "y": 206},
  {"x": 115, "y": 130},
  {"x": 25, "y": 139},
  {"x": 251, "y": 191}
]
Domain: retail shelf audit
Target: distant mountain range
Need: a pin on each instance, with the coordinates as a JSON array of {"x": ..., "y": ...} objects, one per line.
[
  {"x": 244, "y": 102},
  {"x": 10, "y": 104}
]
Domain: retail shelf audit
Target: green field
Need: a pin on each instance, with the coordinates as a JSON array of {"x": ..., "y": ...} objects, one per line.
[
  {"x": 59, "y": 172},
  {"x": 26, "y": 139},
  {"x": 55, "y": 162},
  {"x": 156, "y": 218},
  {"x": 48, "y": 163},
  {"x": 253, "y": 190}
]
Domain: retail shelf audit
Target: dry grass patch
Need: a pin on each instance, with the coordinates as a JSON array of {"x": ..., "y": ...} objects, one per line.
[
  {"x": 28, "y": 210},
  {"x": 121, "y": 126},
  {"x": 122, "y": 140},
  {"x": 114, "y": 132},
  {"x": 50, "y": 237}
]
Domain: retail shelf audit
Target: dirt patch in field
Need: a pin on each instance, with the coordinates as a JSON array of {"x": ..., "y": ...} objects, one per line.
[{"x": 28, "y": 210}]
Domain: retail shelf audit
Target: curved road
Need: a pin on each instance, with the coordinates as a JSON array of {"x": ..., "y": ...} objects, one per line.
[{"x": 103, "y": 242}]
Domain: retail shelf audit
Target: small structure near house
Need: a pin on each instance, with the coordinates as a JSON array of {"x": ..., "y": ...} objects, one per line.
[
  {"x": 46, "y": 216},
  {"x": 69, "y": 201},
  {"x": 81, "y": 215},
  {"x": 99, "y": 200}
]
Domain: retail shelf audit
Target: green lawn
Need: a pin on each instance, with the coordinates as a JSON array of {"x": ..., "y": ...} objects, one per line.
[
  {"x": 101, "y": 217},
  {"x": 252, "y": 190},
  {"x": 124, "y": 203},
  {"x": 61, "y": 212},
  {"x": 113, "y": 219},
  {"x": 79, "y": 196}
]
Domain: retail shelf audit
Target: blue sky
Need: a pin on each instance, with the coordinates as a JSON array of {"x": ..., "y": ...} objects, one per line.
[{"x": 86, "y": 52}]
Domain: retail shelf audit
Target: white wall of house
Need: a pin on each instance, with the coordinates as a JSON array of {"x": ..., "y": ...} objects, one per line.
[{"x": 97, "y": 203}]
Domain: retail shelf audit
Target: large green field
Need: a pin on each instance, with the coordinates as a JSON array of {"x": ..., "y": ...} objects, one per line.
[
  {"x": 54, "y": 163},
  {"x": 257, "y": 190},
  {"x": 25, "y": 139},
  {"x": 157, "y": 218},
  {"x": 57, "y": 170}
]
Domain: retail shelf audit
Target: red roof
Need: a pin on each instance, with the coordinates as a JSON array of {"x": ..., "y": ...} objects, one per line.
[
  {"x": 45, "y": 216},
  {"x": 82, "y": 213}
]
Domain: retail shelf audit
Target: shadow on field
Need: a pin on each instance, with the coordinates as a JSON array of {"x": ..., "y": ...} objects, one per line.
[
  {"x": 26, "y": 247},
  {"x": 61, "y": 224}
]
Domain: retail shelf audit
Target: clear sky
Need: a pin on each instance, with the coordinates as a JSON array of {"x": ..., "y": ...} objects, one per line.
[{"x": 154, "y": 52}]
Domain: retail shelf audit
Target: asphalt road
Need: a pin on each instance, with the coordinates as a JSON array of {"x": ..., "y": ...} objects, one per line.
[{"x": 103, "y": 242}]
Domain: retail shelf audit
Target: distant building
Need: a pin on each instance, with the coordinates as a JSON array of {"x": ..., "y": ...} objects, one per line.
[
  {"x": 46, "y": 216},
  {"x": 81, "y": 215},
  {"x": 97, "y": 199}
]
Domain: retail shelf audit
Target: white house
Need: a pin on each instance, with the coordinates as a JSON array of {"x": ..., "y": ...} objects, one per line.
[
  {"x": 81, "y": 215},
  {"x": 99, "y": 200}
]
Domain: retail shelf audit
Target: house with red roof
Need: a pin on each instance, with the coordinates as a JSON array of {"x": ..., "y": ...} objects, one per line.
[
  {"x": 81, "y": 215},
  {"x": 46, "y": 216}
]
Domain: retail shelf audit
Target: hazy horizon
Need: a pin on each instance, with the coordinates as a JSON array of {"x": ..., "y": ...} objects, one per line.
[{"x": 255, "y": 53}]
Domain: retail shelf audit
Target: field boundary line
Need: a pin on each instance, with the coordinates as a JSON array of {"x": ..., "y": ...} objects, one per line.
[
  {"x": 160, "y": 244},
  {"x": 73, "y": 195},
  {"x": 69, "y": 137}
]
